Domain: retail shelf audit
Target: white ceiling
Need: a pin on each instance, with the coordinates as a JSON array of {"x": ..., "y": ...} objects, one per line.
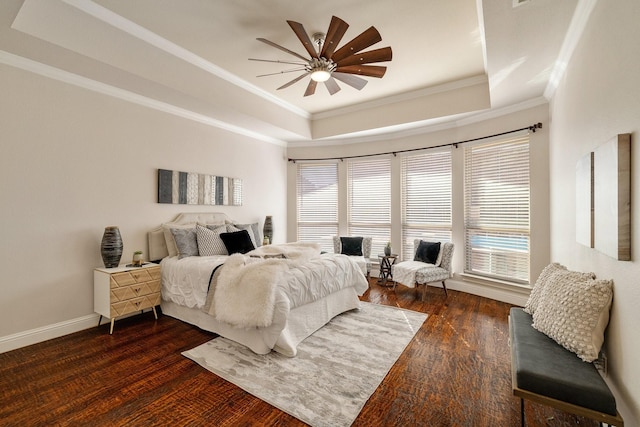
[{"x": 192, "y": 56}]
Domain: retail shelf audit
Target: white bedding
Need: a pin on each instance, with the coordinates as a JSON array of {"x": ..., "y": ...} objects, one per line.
[{"x": 323, "y": 287}]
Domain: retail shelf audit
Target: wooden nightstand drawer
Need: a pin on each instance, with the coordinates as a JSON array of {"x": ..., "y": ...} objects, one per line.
[{"x": 124, "y": 290}]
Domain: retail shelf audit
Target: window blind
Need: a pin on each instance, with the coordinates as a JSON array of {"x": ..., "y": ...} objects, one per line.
[
  {"x": 426, "y": 199},
  {"x": 369, "y": 186},
  {"x": 317, "y": 202},
  {"x": 497, "y": 191}
]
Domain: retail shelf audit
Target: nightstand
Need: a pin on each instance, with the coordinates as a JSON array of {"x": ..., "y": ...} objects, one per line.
[{"x": 123, "y": 290}]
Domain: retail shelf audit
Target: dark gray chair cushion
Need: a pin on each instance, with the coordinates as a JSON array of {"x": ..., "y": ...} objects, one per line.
[{"x": 546, "y": 368}]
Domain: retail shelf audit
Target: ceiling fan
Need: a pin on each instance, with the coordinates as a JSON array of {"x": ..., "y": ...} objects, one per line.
[{"x": 328, "y": 63}]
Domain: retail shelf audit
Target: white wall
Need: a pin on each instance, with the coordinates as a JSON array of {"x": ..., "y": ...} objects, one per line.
[
  {"x": 74, "y": 161},
  {"x": 489, "y": 126},
  {"x": 599, "y": 98}
]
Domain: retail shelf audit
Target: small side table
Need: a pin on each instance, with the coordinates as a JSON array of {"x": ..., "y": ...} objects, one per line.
[
  {"x": 386, "y": 274},
  {"x": 122, "y": 290}
]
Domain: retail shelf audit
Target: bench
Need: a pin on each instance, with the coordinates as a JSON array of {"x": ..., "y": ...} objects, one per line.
[{"x": 544, "y": 372}]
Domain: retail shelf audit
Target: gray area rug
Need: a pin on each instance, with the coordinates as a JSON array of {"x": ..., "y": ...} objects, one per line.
[{"x": 335, "y": 372}]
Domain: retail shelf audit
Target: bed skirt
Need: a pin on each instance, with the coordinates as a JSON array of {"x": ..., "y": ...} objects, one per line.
[{"x": 282, "y": 336}]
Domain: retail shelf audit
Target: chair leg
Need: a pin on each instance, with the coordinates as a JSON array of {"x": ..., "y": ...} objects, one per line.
[{"x": 444, "y": 286}]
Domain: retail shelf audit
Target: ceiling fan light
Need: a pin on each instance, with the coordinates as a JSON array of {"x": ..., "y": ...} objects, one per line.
[{"x": 320, "y": 75}]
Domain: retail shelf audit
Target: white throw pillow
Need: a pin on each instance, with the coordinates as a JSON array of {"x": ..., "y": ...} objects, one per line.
[
  {"x": 543, "y": 278},
  {"x": 574, "y": 311}
]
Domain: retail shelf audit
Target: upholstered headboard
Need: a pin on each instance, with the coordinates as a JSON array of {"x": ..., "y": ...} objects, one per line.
[{"x": 158, "y": 245}]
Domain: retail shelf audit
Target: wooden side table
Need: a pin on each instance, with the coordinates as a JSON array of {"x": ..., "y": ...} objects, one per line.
[
  {"x": 386, "y": 263},
  {"x": 123, "y": 290}
]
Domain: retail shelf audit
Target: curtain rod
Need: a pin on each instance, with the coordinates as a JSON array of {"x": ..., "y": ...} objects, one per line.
[{"x": 531, "y": 128}]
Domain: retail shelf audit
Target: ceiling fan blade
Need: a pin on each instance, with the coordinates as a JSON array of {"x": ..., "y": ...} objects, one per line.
[
  {"x": 364, "y": 70},
  {"x": 332, "y": 86},
  {"x": 284, "y": 49},
  {"x": 350, "y": 79},
  {"x": 297, "y": 79},
  {"x": 281, "y": 72},
  {"x": 277, "y": 61},
  {"x": 311, "y": 87},
  {"x": 304, "y": 38},
  {"x": 336, "y": 30},
  {"x": 368, "y": 37},
  {"x": 377, "y": 55}
]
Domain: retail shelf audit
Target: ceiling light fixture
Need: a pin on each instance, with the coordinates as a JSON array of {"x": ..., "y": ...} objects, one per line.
[{"x": 320, "y": 69}]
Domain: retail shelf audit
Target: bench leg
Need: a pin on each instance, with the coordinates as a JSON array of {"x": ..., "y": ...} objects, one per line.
[{"x": 522, "y": 411}]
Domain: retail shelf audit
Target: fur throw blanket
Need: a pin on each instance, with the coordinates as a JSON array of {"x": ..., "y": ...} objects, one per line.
[{"x": 243, "y": 290}]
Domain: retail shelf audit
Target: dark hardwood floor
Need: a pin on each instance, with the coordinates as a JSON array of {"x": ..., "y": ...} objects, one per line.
[{"x": 456, "y": 372}]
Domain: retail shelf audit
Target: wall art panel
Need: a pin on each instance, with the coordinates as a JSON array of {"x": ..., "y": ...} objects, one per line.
[
  {"x": 612, "y": 197},
  {"x": 189, "y": 188}
]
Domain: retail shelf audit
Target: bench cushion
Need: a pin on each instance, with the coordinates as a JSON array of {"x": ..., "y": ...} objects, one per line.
[{"x": 546, "y": 368}]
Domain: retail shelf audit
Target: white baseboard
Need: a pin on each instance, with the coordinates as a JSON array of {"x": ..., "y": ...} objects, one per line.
[
  {"x": 510, "y": 296},
  {"x": 515, "y": 295},
  {"x": 33, "y": 336}
]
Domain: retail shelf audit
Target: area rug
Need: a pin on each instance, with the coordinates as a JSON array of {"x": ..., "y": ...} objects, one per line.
[{"x": 335, "y": 372}]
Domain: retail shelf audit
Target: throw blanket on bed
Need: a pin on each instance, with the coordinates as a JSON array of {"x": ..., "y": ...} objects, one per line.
[{"x": 243, "y": 292}]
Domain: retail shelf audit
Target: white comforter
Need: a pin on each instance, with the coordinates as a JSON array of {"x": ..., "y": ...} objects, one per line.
[{"x": 186, "y": 281}]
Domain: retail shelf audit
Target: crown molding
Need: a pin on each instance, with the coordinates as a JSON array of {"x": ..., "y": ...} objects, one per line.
[
  {"x": 424, "y": 127},
  {"x": 115, "y": 92},
  {"x": 107, "y": 16},
  {"x": 406, "y": 96}
]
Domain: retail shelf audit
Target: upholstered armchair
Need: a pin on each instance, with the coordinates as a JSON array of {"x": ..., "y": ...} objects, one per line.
[
  {"x": 428, "y": 266},
  {"x": 357, "y": 247}
]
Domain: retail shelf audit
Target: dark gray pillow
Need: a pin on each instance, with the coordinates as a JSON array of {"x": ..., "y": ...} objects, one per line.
[
  {"x": 237, "y": 242},
  {"x": 351, "y": 246},
  {"x": 186, "y": 241},
  {"x": 427, "y": 252}
]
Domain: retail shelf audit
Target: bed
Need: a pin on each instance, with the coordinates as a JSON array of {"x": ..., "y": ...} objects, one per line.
[{"x": 309, "y": 288}]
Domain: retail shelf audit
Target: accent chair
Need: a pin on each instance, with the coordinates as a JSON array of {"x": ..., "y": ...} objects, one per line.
[
  {"x": 431, "y": 263},
  {"x": 359, "y": 248}
]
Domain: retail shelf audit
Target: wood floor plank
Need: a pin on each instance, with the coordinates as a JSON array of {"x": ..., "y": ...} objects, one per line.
[{"x": 455, "y": 372}]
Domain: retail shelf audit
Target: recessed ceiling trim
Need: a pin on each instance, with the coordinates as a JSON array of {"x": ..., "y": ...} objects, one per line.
[
  {"x": 125, "y": 95},
  {"x": 407, "y": 96},
  {"x": 107, "y": 16},
  {"x": 425, "y": 127}
]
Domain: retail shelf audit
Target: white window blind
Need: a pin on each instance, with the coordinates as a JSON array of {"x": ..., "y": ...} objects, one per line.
[
  {"x": 426, "y": 199},
  {"x": 317, "y": 194},
  {"x": 369, "y": 183},
  {"x": 497, "y": 209}
]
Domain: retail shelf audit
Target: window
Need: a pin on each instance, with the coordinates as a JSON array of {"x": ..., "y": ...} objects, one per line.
[
  {"x": 497, "y": 209},
  {"x": 426, "y": 199},
  {"x": 317, "y": 198},
  {"x": 369, "y": 183}
]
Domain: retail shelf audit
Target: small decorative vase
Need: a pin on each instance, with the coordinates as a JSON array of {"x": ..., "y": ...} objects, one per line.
[
  {"x": 137, "y": 259},
  {"x": 111, "y": 247},
  {"x": 267, "y": 230},
  {"x": 387, "y": 250}
]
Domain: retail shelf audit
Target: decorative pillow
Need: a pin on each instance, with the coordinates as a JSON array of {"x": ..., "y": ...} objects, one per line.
[
  {"x": 543, "y": 278},
  {"x": 237, "y": 242},
  {"x": 254, "y": 232},
  {"x": 574, "y": 311},
  {"x": 168, "y": 236},
  {"x": 428, "y": 252},
  {"x": 209, "y": 241},
  {"x": 250, "y": 230},
  {"x": 351, "y": 246},
  {"x": 186, "y": 241}
]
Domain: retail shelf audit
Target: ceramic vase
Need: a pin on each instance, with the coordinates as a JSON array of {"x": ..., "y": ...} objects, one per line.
[
  {"x": 267, "y": 230},
  {"x": 387, "y": 250},
  {"x": 111, "y": 247}
]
